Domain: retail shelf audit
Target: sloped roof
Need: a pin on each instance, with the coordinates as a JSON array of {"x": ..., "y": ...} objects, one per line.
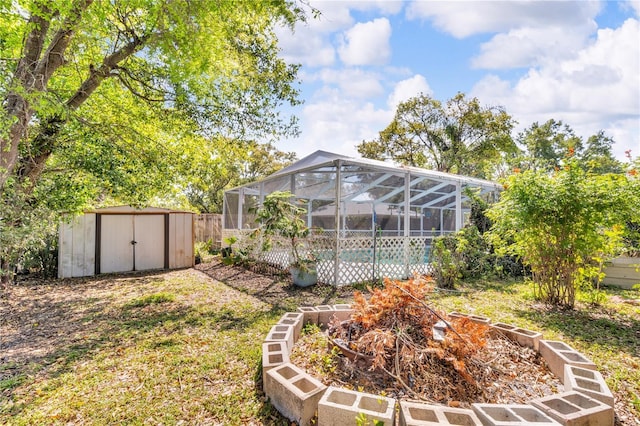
[
  {"x": 323, "y": 158},
  {"x": 311, "y": 160}
]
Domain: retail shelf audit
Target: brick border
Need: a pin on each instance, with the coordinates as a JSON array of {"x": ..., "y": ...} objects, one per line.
[{"x": 586, "y": 399}]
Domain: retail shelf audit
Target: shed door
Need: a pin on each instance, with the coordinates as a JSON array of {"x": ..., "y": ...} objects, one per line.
[
  {"x": 149, "y": 236},
  {"x": 116, "y": 250},
  {"x": 131, "y": 242}
]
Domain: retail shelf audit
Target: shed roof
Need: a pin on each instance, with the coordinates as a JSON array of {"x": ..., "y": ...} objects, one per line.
[{"x": 133, "y": 210}]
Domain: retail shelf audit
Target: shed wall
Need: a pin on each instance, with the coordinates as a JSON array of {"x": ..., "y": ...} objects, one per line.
[
  {"x": 77, "y": 247},
  {"x": 623, "y": 272},
  {"x": 77, "y": 243},
  {"x": 181, "y": 240}
]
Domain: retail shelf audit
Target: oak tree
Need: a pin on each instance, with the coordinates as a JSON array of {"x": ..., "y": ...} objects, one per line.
[
  {"x": 458, "y": 136},
  {"x": 102, "y": 99}
]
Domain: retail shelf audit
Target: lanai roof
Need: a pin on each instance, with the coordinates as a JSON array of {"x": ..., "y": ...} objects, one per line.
[
  {"x": 324, "y": 158},
  {"x": 428, "y": 188}
]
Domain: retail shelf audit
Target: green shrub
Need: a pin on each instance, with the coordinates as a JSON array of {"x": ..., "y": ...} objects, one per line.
[{"x": 564, "y": 225}]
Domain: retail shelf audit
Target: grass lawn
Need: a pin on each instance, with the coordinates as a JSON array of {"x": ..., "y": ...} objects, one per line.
[{"x": 182, "y": 348}]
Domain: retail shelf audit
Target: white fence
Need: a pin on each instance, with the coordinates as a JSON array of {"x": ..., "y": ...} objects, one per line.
[{"x": 351, "y": 258}]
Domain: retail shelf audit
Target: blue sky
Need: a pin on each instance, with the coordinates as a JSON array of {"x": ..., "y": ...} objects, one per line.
[{"x": 575, "y": 61}]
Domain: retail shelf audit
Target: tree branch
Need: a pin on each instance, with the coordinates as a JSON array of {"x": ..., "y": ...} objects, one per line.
[
  {"x": 103, "y": 71},
  {"x": 33, "y": 45},
  {"x": 144, "y": 84},
  {"x": 53, "y": 57}
]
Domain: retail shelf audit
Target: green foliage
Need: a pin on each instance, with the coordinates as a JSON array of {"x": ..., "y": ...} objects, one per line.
[
  {"x": 42, "y": 255},
  {"x": 469, "y": 253},
  {"x": 460, "y": 136},
  {"x": 28, "y": 234},
  {"x": 121, "y": 101},
  {"x": 545, "y": 146},
  {"x": 564, "y": 224},
  {"x": 446, "y": 261},
  {"x": 235, "y": 163},
  {"x": 363, "y": 420},
  {"x": 152, "y": 299},
  {"x": 631, "y": 238},
  {"x": 203, "y": 250},
  {"x": 280, "y": 215}
]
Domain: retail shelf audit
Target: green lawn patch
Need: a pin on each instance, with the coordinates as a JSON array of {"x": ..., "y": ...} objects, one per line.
[{"x": 182, "y": 347}]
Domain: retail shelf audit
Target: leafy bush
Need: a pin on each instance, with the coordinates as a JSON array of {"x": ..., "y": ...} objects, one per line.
[
  {"x": 565, "y": 225},
  {"x": 469, "y": 253},
  {"x": 446, "y": 261},
  {"x": 631, "y": 239},
  {"x": 42, "y": 256}
]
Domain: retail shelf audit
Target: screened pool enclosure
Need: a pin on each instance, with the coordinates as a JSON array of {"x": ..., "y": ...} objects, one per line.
[{"x": 371, "y": 219}]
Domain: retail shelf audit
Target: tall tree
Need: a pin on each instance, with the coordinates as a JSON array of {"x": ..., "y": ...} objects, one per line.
[
  {"x": 546, "y": 147},
  {"x": 235, "y": 163},
  {"x": 215, "y": 61},
  {"x": 102, "y": 99},
  {"x": 460, "y": 136}
]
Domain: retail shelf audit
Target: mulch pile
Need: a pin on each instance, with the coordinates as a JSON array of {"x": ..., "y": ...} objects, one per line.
[{"x": 505, "y": 373}]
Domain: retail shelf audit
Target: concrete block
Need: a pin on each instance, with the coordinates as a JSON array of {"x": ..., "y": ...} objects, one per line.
[
  {"x": 343, "y": 311},
  {"x": 310, "y": 314},
  {"x": 575, "y": 409},
  {"x": 421, "y": 414},
  {"x": 281, "y": 333},
  {"x": 521, "y": 336},
  {"x": 295, "y": 319},
  {"x": 557, "y": 354},
  {"x": 588, "y": 382},
  {"x": 341, "y": 407},
  {"x": 511, "y": 415},
  {"x": 475, "y": 318},
  {"x": 293, "y": 392},
  {"x": 274, "y": 354},
  {"x": 325, "y": 312}
]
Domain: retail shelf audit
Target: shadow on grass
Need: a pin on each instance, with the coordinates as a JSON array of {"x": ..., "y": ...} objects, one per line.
[
  {"x": 150, "y": 321},
  {"x": 267, "y": 413},
  {"x": 597, "y": 325},
  {"x": 506, "y": 286},
  {"x": 275, "y": 288}
]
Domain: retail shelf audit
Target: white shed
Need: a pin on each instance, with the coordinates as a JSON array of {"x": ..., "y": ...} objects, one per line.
[{"x": 123, "y": 239}]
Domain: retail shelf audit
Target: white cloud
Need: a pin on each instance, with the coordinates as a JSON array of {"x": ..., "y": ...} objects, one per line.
[
  {"x": 366, "y": 43},
  {"x": 353, "y": 82},
  {"x": 305, "y": 47},
  {"x": 464, "y": 18},
  {"x": 524, "y": 47},
  {"x": 310, "y": 44},
  {"x": 334, "y": 121},
  {"x": 633, "y": 4},
  {"x": 597, "y": 89},
  {"x": 407, "y": 89},
  {"x": 324, "y": 125}
]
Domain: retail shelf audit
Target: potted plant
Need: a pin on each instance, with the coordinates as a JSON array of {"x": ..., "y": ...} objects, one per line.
[{"x": 279, "y": 215}]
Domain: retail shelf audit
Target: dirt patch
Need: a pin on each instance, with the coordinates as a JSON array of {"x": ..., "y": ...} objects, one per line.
[{"x": 275, "y": 287}]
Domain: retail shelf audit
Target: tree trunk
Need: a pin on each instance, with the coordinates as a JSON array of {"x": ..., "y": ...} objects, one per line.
[
  {"x": 32, "y": 75},
  {"x": 6, "y": 275}
]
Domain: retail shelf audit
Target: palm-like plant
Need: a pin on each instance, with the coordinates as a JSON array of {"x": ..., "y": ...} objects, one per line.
[{"x": 280, "y": 215}]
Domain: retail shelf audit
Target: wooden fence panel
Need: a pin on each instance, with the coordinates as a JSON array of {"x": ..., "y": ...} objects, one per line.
[{"x": 208, "y": 226}]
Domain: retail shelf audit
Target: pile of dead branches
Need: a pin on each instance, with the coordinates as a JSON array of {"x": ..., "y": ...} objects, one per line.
[{"x": 398, "y": 334}]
